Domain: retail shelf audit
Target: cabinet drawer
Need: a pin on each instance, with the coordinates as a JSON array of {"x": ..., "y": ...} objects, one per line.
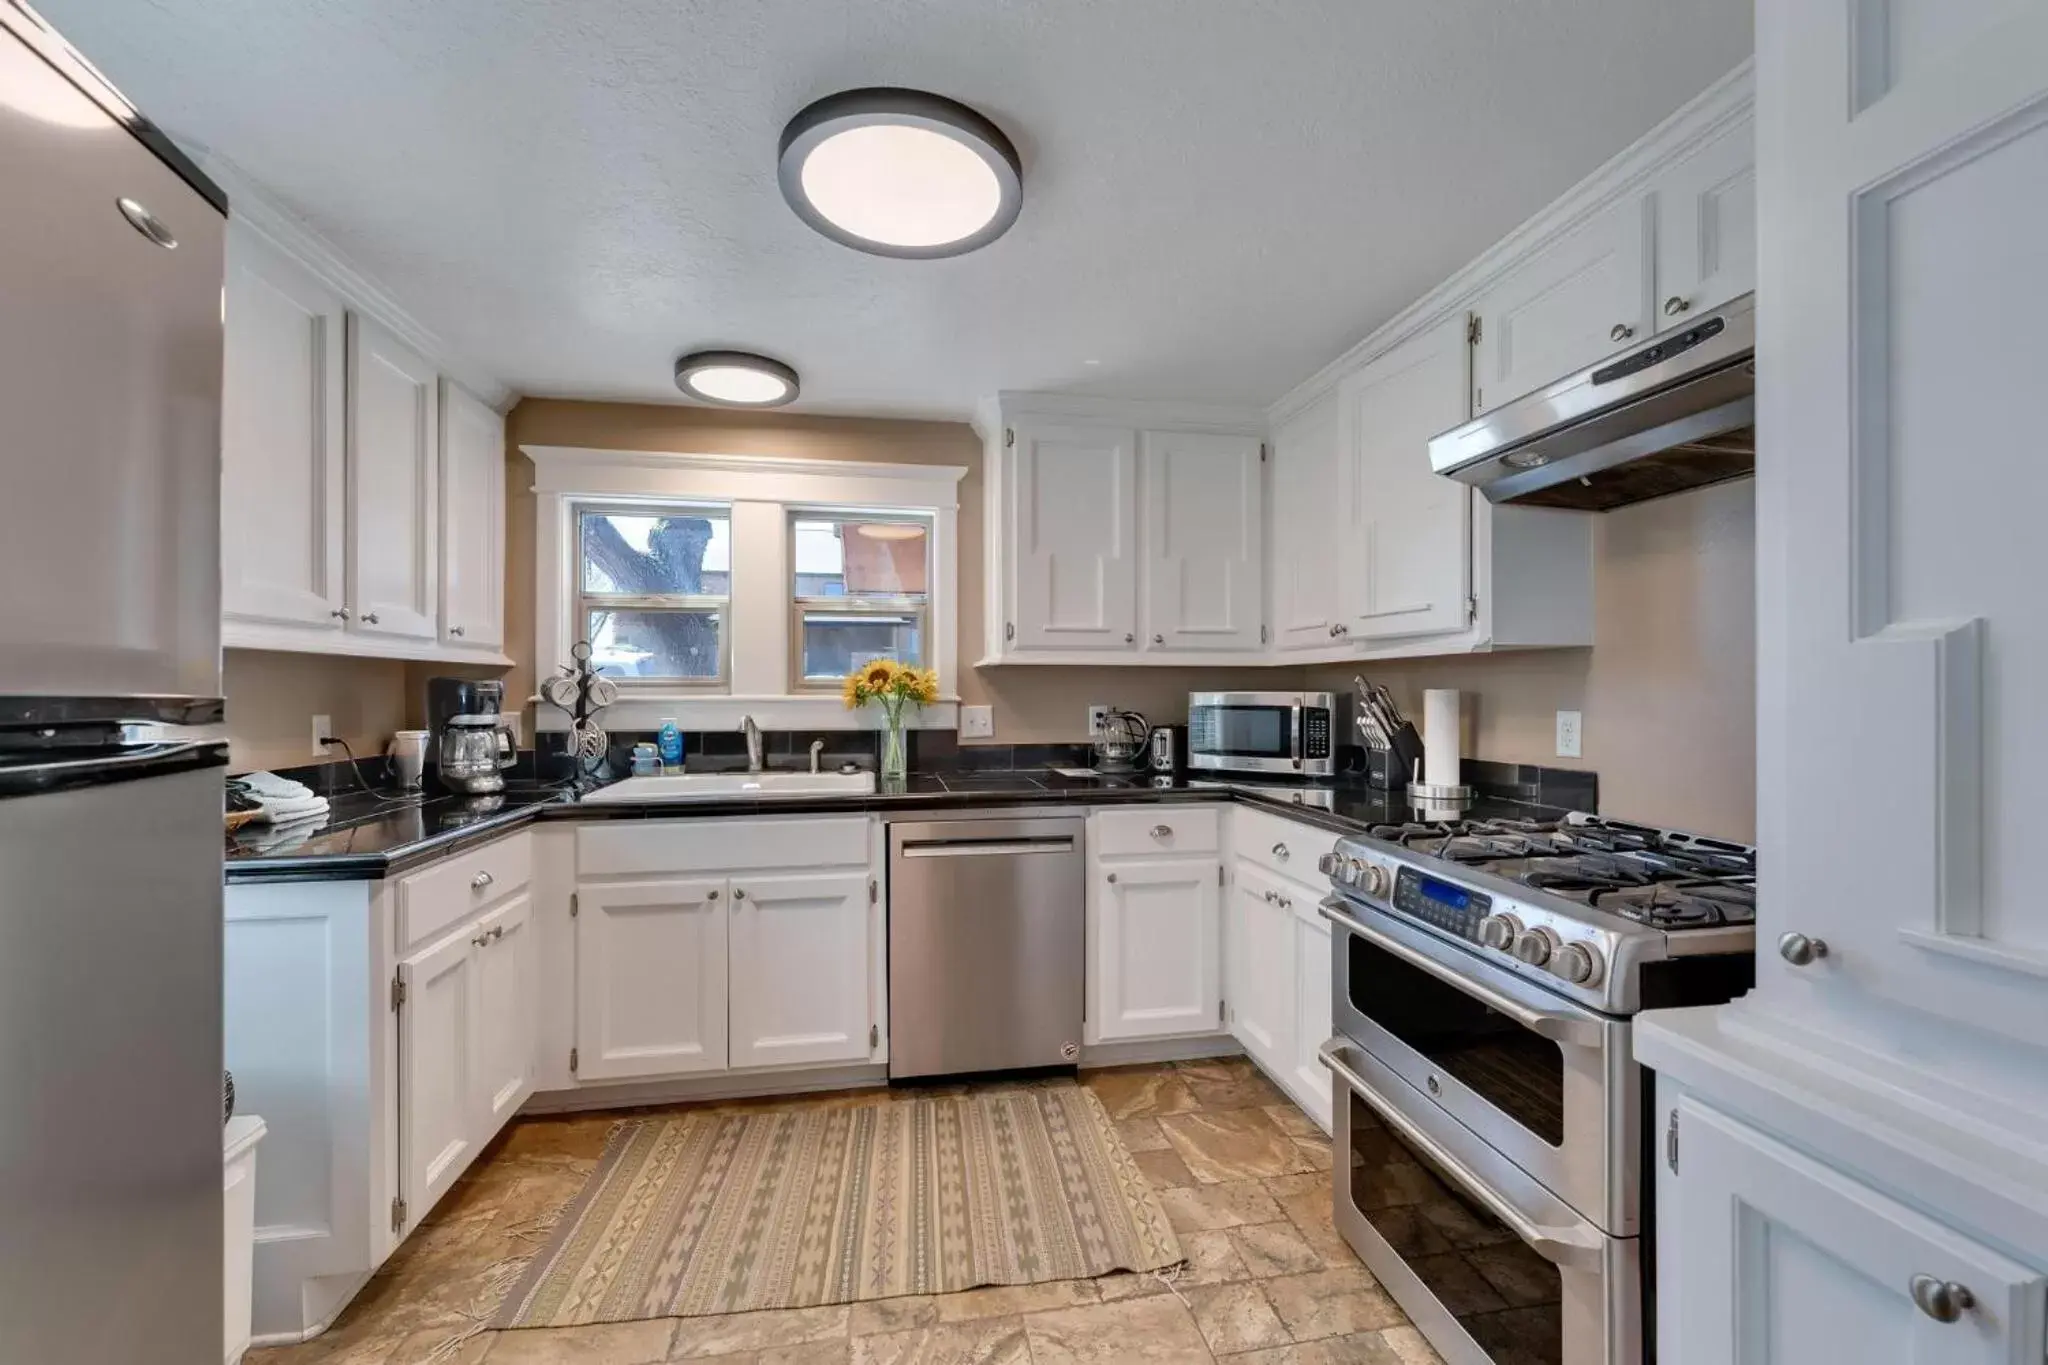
[
  {"x": 638, "y": 847},
  {"x": 1162, "y": 829},
  {"x": 431, "y": 901},
  {"x": 1280, "y": 845}
]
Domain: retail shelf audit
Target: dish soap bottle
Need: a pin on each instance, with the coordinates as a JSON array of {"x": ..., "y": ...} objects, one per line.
[{"x": 669, "y": 740}]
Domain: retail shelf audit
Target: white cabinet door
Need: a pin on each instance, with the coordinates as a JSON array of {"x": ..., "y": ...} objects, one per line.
[
  {"x": 1574, "y": 302},
  {"x": 1204, "y": 515},
  {"x": 1258, "y": 967},
  {"x": 1306, "y": 526},
  {"x": 472, "y": 522},
  {"x": 1405, "y": 554},
  {"x": 650, "y": 978},
  {"x": 1787, "y": 1262},
  {"x": 1156, "y": 945},
  {"x": 506, "y": 1006},
  {"x": 1073, "y": 523},
  {"x": 800, "y": 969},
  {"x": 1308, "y": 1080},
  {"x": 1706, "y": 227},
  {"x": 393, "y": 485},
  {"x": 436, "y": 1078},
  {"x": 282, "y": 489}
]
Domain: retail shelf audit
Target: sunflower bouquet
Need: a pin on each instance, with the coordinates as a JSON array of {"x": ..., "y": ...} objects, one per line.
[{"x": 895, "y": 686}]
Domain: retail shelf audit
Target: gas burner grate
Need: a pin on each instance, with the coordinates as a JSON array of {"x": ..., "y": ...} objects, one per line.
[{"x": 1684, "y": 905}]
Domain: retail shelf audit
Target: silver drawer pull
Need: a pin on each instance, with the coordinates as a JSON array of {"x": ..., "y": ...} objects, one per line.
[
  {"x": 1280, "y": 852},
  {"x": 1162, "y": 831},
  {"x": 1942, "y": 1300},
  {"x": 1801, "y": 951},
  {"x": 480, "y": 881}
]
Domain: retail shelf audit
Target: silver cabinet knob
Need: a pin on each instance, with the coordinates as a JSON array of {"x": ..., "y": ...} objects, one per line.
[
  {"x": 1675, "y": 305},
  {"x": 1129, "y": 638},
  {"x": 711, "y": 895},
  {"x": 1158, "y": 639},
  {"x": 369, "y": 618},
  {"x": 1942, "y": 1300},
  {"x": 455, "y": 630},
  {"x": 1280, "y": 852},
  {"x": 340, "y": 613},
  {"x": 497, "y": 933},
  {"x": 146, "y": 223},
  {"x": 1622, "y": 332},
  {"x": 1801, "y": 951},
  {"x": 1112, "y": 879},
  {"x": 480, "y": 881},
  {"x": 1162, "y": 831},
  {"x": 1272, "y": 898},
  {"x": 738, "y": 894}
]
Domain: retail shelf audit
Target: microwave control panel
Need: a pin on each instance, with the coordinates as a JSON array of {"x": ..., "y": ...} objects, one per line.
[{"x": 1315, "y": 732}]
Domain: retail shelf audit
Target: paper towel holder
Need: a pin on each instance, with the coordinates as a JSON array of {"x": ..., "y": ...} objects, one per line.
[{"x": 1438, "y": 802}]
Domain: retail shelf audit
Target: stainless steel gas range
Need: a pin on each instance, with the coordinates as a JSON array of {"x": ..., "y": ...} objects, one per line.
[{"x": 1491, "y": 1131}]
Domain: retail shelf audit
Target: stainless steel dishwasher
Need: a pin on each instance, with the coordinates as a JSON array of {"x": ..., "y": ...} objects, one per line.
[{"x": 986, "y": 919}]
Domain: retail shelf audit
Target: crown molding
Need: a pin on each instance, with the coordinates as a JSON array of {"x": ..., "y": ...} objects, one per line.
[{"x": 1152, "y": 414}]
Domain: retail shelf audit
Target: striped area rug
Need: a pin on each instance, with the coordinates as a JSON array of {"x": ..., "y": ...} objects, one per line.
[{"x": 729, "y": 1213}]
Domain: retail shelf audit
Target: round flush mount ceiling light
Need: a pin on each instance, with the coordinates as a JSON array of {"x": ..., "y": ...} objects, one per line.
[
  {"x": 736, "y": 379},
  {"x": 901, "y": 173}
]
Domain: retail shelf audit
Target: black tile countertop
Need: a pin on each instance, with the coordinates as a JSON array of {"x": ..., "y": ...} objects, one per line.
[{"x": 365, "y": 838}]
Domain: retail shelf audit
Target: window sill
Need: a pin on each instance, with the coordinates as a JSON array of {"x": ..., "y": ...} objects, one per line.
[{"x": 697, "y": 711}]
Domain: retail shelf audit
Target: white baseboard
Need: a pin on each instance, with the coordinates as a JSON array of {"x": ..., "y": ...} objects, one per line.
[{"x": 696, "y": 1089}]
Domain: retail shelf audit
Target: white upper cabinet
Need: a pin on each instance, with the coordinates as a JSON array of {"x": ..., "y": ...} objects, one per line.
[
  {"x": 1404, "y": 554},
  {"x": 1706, "y": 226},
  {"x": 1581, "y": 298},
  {"x": 282, "y": 489},
  {"x": 394, "y": 475},
  {"x": 650, "y": 978},
  {"x": 1204, "y": 513},
  {"x": 1072, "y": 520},
  {"x": 1305, "y": 526},
  {"x": 472, "y": 493},
  {"x": 800, "y": 978}
]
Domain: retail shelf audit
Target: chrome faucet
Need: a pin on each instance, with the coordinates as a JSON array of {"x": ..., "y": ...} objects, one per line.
[
  {"x": 817, "y": 748},
  {"x": 753, "y": 743}
]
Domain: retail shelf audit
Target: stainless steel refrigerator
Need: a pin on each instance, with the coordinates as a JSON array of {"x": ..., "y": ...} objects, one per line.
[{"x": 110, "y": 751}]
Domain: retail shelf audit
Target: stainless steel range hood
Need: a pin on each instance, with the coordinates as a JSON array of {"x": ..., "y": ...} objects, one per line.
[{"x": 1674, "y": 413}]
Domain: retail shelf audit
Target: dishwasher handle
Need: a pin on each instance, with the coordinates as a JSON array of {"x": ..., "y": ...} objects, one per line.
[{"x": 982, "y": 848}]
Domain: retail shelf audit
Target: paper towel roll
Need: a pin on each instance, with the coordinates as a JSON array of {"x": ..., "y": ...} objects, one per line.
[{"x": 1441, "y": 759}]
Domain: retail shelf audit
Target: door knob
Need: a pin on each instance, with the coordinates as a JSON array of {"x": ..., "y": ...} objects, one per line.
[
  {"x": 1622, "y": 332},
  {"x": 1801, "y": 951},
  {"x": 1942, "y": 1300},
  {"x": 1675, "y": 305}
]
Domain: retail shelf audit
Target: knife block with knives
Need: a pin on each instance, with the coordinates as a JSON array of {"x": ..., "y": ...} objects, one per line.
[{"x": 1393, "y": 747}]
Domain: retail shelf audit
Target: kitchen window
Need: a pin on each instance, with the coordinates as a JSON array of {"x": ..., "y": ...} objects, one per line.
[
  {"x": 860, "y": 590},
  {"x": 654, "y": 585}
]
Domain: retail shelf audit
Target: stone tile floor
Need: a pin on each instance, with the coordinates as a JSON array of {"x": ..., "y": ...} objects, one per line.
[{"x": 1242, "y": 1172}]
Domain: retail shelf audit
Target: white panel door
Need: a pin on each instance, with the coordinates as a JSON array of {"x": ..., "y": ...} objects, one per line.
[
  {"x": 1706, "y": 227},
  {"x": 436, "y": 1075},
  {"x": 800, "y": 960},
  {"x": 1204, "y": 516},
  {"x": 506, "y": 1008},
  {"x": 472, "y": 522},
  {"x": 282, "y": 489},
  {"x": 650, "y": 978},
  {"x": 1258, "y": 967},
  {"x": 1405, "y": 554},
  {"x": 1788, "y": 1262},
  {"x": 1308, "y": 1079},
  {"x": 1073, "y": 521},
  {"x": 1577, "y": 300},
  {"x": 1157, "y": 943},
  {"x": 1900, "y": 553},
  {"x": 394, "y": 438},
  {"x": 1305, "y": 526}
]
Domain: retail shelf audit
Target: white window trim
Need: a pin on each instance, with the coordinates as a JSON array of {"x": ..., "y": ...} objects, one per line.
[{"x": 761, "y": 490}]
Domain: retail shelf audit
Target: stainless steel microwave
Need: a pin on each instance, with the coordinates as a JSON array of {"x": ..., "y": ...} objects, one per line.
[{"x": 1295, "y": 733}]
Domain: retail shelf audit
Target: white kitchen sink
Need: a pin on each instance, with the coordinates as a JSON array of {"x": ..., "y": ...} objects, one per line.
[{"x": 705, "y": 786}]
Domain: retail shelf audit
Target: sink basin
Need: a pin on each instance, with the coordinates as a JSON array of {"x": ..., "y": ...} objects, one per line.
[{"x": 706, "y": 786}]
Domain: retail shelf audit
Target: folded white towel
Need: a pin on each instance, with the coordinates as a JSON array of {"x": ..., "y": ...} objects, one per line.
[
  {"x": 265, "y": 786},
  {"x": 283, "y": 812}
]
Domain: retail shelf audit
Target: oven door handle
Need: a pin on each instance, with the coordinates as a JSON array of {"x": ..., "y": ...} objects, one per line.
[
  {"x": 1570, "y": 1248},
  {"x": 1558, "y": 1028}
]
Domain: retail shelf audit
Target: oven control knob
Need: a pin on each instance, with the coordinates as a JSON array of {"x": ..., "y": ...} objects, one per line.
[
  {"x": 1578, "y": 963},
  {"x": 1370, "y": 878},
  {"x": 1534, "y": 946},
  {"x": 1499, "y": 931},
  {"x": 1330, "y": 863}
]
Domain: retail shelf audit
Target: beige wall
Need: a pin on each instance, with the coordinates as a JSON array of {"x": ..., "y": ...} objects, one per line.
[
  {"x": 272, "y": 699},
  {"x": 1668, "y": 692}
]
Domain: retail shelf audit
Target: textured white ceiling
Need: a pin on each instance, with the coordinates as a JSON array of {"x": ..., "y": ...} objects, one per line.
[{"x": 1220, "y": 195}]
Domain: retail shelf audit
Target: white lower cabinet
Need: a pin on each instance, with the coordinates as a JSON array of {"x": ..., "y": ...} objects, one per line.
[
  {"x": 1768, "y": 1257},
  {"x": 1277, "y": 953},
  {"x": 1308, "y": 1080},
  {"x": 798, "y": 966},
  {"x": 437, "y": 1030},
  {"x": 1258, "y": 939},
  {"x": 650, "y": 978},
  {"x": 505, "y": 996},
  {"x": 1154, "y": 958}
]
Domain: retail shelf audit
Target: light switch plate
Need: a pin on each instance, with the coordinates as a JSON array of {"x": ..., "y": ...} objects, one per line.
[
  {"x": 977, "y": 722},
  {"x": 323, "y": 727},
  {"x": 1568, "y": 734}
]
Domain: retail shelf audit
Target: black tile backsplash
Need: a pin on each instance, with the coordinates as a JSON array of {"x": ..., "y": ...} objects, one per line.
[
  {"x": 928, "y": 751},
  {"x": 1570, "y": 788}
]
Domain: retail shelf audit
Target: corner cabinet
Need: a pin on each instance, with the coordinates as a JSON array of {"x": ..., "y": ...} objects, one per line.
[{"x": 1112, "y": 540}]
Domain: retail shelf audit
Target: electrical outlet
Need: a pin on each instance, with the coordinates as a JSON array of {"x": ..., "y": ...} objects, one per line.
[
  {"x": 323, "y": 726},
  {"x": 1096, "y": 715},
  {"x": 1568, "y": 734},
  {"x": 511, "y": 719},
  {"x": 977, "y": 722}
]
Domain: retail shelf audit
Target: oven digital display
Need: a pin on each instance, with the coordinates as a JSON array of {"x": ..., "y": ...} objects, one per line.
[
  {"x": 1443, "y": 905},
  {"x": 1443, "y": 893}
]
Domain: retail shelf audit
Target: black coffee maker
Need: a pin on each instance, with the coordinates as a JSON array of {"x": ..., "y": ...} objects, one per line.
[{"x": 451, "y": 697}]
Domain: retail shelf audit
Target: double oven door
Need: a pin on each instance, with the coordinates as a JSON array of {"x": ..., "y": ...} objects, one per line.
[{"x": 1486, "y": 1133}]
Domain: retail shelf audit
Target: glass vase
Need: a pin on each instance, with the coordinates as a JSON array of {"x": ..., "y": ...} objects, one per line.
[{"x": 895, "y": 763}]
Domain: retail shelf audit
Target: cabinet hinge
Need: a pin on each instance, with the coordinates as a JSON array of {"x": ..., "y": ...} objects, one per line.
[
  {"x": 1009, "y": 630},
  {"x": 1471, "y": 610},
  {"x": 1671, "y": 1143},
  {"x": 572, "y": 1061},
  {"x": 1219, "y": 1012},
  {"x": 1262, "y": 635},
  {"x": 1219, "y": 874},
  {"x": 1009, "y": 437},
  {"x": 1262, "y": 452},
  {"x": 1472, "y": 330},
  {"x": 574, "y": 904},
  {"x": 398, "y": 1215},
  {"x": 397, "y": 992},
  {"x": 874, "y": 891},
  {"x": 874, "y": 1036}
]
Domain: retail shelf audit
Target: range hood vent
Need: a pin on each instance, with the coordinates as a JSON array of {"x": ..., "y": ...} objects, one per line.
[{"x": 1677, "y": 412}]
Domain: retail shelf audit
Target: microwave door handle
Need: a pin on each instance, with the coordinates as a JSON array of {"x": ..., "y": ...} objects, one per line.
[
  {"x": 1294, "y": 735},
  {"x": 1556, "y": 1027},
  {"x": 1569, "y": 1248}
]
